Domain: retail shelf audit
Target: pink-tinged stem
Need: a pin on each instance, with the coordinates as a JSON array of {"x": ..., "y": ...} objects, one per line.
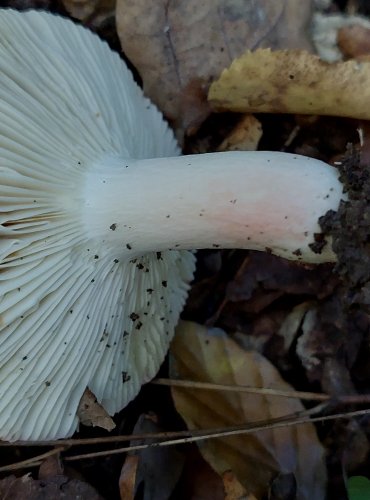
[{"x": 256, "y": 200}]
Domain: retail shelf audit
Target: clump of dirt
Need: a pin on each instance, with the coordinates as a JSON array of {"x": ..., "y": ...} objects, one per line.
[{"x": 349, "y": 229}]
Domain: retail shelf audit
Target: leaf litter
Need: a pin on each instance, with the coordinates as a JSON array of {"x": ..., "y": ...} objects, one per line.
[
  {"x": 209, "y": 355},
  {"x": 179, "y": 47}
]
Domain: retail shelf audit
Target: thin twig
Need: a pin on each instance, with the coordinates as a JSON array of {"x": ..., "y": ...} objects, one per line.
[
  {"x": 67, "y": 443},
  {"x": 240, "y": 430},
  {"x": 31, "y": 462},
  {"x": 93, "y": 441},
  {"x": 181, "y": 437},
  {"x": 310, "y": 396}
]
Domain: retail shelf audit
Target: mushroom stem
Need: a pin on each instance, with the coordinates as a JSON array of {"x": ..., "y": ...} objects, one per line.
[{"x": 255, "y": 200}]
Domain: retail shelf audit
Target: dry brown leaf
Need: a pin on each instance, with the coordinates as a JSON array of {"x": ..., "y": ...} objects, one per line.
[
  {"x": 293, "y": 82},
  {"x": 324, "y": 31},
  {"x": 54, "y": 488},
  {"x": 51, "y": 466},
  {"x": 92, "y": 12},
  {"x": 127, "y": 477},
  {"x": 354, "y": 40},
  {"x": 198, "y": 480},
  {"x": 92, "y": 414},
  {"x": 244, "y": 137},
  {"x": 209, "y": 356},
  {"x": 180, "y": 46},
  {"x": 234, "y": 490},
  {"x": 159, "y": 468}
]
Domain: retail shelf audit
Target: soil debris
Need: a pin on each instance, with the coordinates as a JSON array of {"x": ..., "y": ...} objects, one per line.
[{"x": 349, "y": 228}]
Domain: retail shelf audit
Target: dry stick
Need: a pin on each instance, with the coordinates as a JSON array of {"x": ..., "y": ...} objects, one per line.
[
  {"x": 309, "y": 396},
  {"x": 217, "y": 434},
  {"x": 67, "y": 443},
  {"x": 31, "y": 462},
  {"x": 92, "y": 441},
  {"x": 196, "y": 435}
]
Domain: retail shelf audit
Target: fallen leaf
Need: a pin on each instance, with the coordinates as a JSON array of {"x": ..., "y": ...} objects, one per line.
[
  {"x": 179, "y": 47},
  {"x": 292, "y": 82},
  {"x": 209, "y": 356},
  {"x": 198, "y": 480},
  {"x": 260, "y": 270},
  {"x": 324, "y": 349},
  {"x": 244, "y": 137},
  {"x": 291, "y": 324},
  {"x": 158, "y": 469},
  {"x": 127, "y": 477},
  {"x": 283, "y": 487},
  {"x": 193, "y": 105},
  {"x": 354, "y": 40},
  {"x": 51, "y": 466},
  {"x": 92, "y": 414},
  {"x": 324, "y": 30},
  {"x": 54, "y": 488},
  {"x": 234, "y": 490},
  {"x": 91, "y": 12}
]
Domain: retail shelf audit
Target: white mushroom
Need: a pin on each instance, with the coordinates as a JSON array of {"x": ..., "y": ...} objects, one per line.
[{"x": 96, "y": 223}]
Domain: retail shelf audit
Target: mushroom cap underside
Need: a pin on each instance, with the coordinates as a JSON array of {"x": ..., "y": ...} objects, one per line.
[{"x": 72, "y": 317}]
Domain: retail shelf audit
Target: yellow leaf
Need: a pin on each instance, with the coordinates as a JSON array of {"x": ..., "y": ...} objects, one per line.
[
  {"x": 244, "y": 137},
  {"x": 293, "y": 81},
  {"x": 210, "y": 356}
]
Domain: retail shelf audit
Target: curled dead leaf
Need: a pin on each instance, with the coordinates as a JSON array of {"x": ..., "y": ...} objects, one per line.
[
  {"x": 92, "y": 414},
  {"x": 291, "y": 81}
]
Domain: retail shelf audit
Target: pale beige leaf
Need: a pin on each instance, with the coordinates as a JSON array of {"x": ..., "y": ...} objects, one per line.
[
  {"x": 92, "y": 414},
  {"x": 292, "y": 322},
  {"x": 296, "y": 82},
  {"x": 179, "y": 46},
  {"x": 245, "y": 136},
  {"x": 209, "y": 356}
]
